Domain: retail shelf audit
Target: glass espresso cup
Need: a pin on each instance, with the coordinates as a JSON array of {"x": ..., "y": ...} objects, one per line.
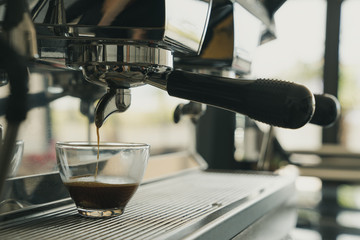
[{"x": 101, "y": 181}]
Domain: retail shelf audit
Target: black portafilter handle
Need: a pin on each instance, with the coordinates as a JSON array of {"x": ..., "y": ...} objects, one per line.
[
  {"x": 327, "y": 110},
  {"x": 278, "y": 103}
]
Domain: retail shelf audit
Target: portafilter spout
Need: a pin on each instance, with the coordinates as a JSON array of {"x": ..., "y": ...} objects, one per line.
[{"x": 114, "y": 100}]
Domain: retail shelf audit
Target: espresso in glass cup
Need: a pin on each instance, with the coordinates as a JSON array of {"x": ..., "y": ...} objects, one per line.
[{"x": 101, "y": 181}]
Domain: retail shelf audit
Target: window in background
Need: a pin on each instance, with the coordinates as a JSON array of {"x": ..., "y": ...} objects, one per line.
[
  {"x": 296, "y": 55},
  {"x": 349, "y": 83}
]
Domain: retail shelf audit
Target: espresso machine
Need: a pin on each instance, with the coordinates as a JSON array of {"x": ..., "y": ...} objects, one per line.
[{"x": 199, "y": 50}]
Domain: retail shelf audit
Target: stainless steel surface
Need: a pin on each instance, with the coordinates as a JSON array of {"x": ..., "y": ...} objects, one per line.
[
  {"x": 196, "y": 204},
  {"x": 31, "y": 192},
  {"x": 275, "y": 225},
  {"x": 118, "y": 44},
  {"x": 235, "y": 30},
  {"x": 119, "y": 65},
  {"x": 168, "y": 24}
]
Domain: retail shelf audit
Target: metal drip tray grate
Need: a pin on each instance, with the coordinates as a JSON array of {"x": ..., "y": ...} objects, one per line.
[{"x": 187, "y": 205}]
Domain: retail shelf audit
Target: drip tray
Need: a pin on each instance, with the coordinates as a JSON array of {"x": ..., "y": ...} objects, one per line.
[{"x": 191, "y": 205}]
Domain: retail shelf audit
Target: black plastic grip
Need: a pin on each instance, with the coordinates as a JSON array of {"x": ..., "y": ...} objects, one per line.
[
  {"x": 327, "y": 110},
  {"x": 274, "y": 102}
]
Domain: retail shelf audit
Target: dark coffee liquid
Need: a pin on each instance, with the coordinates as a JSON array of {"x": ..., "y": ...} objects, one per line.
[{"x": 98, "y": 195}]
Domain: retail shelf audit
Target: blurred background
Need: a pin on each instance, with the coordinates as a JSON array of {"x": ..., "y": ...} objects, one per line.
[{"x": 329, "y": 190}]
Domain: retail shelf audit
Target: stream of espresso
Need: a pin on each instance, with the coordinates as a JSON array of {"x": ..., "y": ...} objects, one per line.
[{"x": 98, "y": 152}]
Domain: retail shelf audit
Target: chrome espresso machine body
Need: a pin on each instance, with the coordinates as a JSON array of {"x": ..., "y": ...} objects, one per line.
[{"x": 198, "y": 50}]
